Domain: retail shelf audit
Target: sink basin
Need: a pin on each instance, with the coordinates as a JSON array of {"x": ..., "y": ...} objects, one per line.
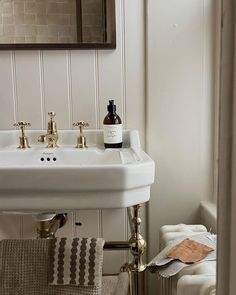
[
  {"x": 65, "y": 179},
  {"x": 59, "y": 157}
]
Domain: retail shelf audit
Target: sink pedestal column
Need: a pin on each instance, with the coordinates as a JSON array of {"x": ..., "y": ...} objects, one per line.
[{"x": 137, "y": 248}]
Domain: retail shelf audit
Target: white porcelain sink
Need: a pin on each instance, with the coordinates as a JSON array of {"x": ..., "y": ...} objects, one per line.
[{"x": 64, "y": 179}]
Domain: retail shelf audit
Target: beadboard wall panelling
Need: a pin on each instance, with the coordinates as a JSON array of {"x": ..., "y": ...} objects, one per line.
[
  {"x": 7, "y": 91},
  {"x": 134, "y": 60},
  {"x": 28, "y": 227},
  {"x": 55, "y": 87},
  {"x": 111, "y": 79},
  {"x": 84, "y": 80},
  {"x": 92, "y": 228},
  {"x": 27, "y": 84},
  {"x": 114, "y": 230},
  {"x": 11, "y": 227}
]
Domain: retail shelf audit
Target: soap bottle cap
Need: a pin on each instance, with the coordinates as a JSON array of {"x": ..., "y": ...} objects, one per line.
[{"x": 111, "y": 107}]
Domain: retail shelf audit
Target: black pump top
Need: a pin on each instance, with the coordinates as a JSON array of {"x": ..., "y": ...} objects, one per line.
[{"x": 111, "y": 107}]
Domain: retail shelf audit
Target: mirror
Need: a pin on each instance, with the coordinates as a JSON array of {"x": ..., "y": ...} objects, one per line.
[{"x": 56, "y": 24}]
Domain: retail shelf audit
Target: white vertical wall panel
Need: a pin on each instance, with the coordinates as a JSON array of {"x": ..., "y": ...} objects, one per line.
[
  {"x": 84, "y": 87},
  {"x": 110, "y": 71},
  {"x": 84, "y": 93},
  {"x": 28, "y": 87},
  {"x": 134, "y": 60},
  {"x": 7, "y": 115},
  {"x": 11, "y": 227},
  {"x": 55, "y": 82},
  {"x": 114, "y": 228},
  {"x": 28, "y": 227},
  {"x": 90, "y": 225}
]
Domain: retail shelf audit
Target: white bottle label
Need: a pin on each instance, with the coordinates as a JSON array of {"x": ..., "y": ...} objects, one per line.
[{"x": 112, "y": 133}]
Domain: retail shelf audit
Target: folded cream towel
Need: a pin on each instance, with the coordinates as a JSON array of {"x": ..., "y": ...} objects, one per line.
[
  {"x": 24, "y": 270},
  {"x": 168, "y": 266}
]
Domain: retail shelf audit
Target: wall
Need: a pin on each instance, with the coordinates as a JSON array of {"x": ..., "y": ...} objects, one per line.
[
  {"x": 180, "y": 117},
  {"x": 77, "y": 86},
  {"x": 177, "y": 110}
]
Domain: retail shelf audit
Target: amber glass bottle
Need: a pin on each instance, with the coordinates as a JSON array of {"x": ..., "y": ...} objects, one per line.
[{"x": 112, "y": 127}]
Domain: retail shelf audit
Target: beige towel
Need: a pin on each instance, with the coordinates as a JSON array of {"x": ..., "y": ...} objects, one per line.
[
  {"x": 116, "y": 285},
  {"x": 76, "y": 261},
  {"x": 24, "y": 270}
]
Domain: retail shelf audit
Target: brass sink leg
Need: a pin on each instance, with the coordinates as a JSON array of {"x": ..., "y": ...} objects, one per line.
[
  {"x": 136, "y": 244},
  {"x": 137, "y": 248},
  {"x": 48, "y": 228}
]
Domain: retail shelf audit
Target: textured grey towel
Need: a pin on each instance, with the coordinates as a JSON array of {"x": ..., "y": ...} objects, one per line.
[{"x": 24, "y": 269}]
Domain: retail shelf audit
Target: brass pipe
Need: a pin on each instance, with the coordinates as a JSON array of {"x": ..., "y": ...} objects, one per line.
[
  {"x": 137, "y": 283},
  {"x": 117, "y": 245},
  {"x": 137, "y": 242},
  {"x": 47, "y": 229}
]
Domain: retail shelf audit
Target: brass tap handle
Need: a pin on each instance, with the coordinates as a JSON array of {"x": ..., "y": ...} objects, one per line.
[
  {"x": 81, "y": 125},
  {"x": 51, "y": 115},
  {"x": 81, "y": 140},
  {"x": 24, "y": 143},
  {"x": 22, "y": 124}
]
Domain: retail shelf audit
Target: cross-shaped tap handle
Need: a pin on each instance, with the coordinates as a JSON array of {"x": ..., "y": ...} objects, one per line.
[
  {"x": 81, "y": 124},
  {"x": 23, "y": 139},
  {"x": 22, "y": 124}
]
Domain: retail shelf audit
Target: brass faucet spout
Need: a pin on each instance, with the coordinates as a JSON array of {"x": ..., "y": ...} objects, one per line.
[{"x": 51, "y": 136}]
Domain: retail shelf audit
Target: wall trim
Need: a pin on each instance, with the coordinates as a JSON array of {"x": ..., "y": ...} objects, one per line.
[{"x": 208, "y": 211}]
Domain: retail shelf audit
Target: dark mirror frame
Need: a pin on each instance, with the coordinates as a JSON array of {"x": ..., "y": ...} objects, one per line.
[{"x": 70, "y": 46}]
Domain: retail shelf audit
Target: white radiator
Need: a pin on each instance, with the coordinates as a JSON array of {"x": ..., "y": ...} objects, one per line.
[{"x": 196, "y": 279}]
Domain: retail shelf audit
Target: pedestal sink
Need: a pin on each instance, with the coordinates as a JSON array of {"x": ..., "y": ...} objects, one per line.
[{"x": 63, "y": 179}]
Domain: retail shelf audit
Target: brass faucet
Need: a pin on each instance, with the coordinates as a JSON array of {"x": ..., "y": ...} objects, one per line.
[
  {"x": 24, "y": 142},
  {"x": 81, "y": 140},
  {"x": 52, "y": 136}
]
